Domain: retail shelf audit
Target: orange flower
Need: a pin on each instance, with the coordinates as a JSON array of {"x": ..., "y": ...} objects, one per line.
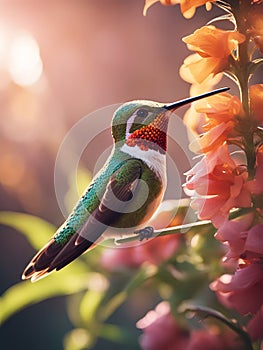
[
  {"x": 213, "y": 47},
  {"x": 149, "y": 3},
  {"x": 221, "y": 108},
  {"x": 188, "y": 7},
  {"x": 194, "y": 122},
  {"x": 255, "y": 20},
  {"x": 219, "y": 115},
  {"x": 211, "y": 140},
  {"x": 207, "y": 84},
  {"x": 256, "y": 101},
  {"x": 192, "y": 119}
]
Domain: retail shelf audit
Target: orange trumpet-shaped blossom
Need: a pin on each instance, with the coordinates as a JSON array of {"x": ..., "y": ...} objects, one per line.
[{"x": 213, "y": 47}]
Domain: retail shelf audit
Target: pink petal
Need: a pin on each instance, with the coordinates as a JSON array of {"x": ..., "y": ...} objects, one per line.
[
  {"x": 255, "y": 326},
  {"x": 254, "y": 240}
]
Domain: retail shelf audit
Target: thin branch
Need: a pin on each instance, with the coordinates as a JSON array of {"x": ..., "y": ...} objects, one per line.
[{"x": 181, "y": 229}]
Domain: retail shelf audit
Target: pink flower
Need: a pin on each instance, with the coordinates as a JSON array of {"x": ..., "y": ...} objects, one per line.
[
  {"x": 217, "y": 185},
  {"x": 161, "y": 330},
  {"x": 255, "y": 325},
  {"x": 120, "y": 258},
  {"x": 201, "y": 340},
  {"x": 254, "y": 242},
  {"x": 154, "y": 251},
  {"x": 234, "y": 232},
  {"x": 243, "y": 290},
  {"x": 213, "y": 339}
]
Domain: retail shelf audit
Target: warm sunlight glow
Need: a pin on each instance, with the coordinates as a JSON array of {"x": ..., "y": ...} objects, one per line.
[
  {"x": 3, "y": 46},
  {"x": 25, "y": 65}
]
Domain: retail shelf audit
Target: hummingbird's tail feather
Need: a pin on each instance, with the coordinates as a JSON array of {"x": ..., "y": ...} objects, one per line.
[
  {"x": 54, "y": 256},
  {"x": 76, "y": 246},
  {"x": 38, "y": 275},
  {"x": 42, "y": 259}
]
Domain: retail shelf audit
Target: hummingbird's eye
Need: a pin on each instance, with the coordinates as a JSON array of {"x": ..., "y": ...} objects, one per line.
[{"x": 142, "y": 113}]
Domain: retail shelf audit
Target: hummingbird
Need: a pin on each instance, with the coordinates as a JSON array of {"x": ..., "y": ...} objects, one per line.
[{"x": 124, "y": 194}]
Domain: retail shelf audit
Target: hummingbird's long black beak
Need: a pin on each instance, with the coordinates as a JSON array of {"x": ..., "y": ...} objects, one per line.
[{"x": 185, "y": 101}]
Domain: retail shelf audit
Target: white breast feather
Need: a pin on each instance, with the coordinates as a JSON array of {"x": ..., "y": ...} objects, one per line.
[{"x": 154, "y": 159}]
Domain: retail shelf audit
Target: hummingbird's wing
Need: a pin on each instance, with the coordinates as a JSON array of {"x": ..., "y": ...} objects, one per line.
[{"x": 119, "y": 191}]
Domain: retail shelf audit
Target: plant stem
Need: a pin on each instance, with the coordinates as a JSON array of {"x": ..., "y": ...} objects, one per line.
[
  {"x": 208, "y": 312},
  {"x": 242, "y": 70}
]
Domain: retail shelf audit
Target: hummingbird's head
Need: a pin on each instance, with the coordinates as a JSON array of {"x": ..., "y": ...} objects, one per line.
[
  {"x": 141, "y": 123},
  {"x": 144, "y": 123}
]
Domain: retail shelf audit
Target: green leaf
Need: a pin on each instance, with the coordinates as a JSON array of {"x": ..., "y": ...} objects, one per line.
[
  {"x": 36, "y": 230},
  {"x": 108, "y": 308},
  {"x": 118, "y": 335},
  {"x": 78, "y": 339},
  {"x": 21, "y": 295},
  {"x": 89, "y": 305}
]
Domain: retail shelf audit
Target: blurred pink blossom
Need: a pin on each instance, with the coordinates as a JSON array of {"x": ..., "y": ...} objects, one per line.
[
  {"x": 214, "y": 339},
  {"x": 154, "y": 251},
  {"x": 234, "y": 233},
  {"x": 255, "y": 326},
  {"x": 243, "y": 290},
  {"x": 254, "y": 242},
  {"x": 162, "y": 331},
  {"x": 119, "y": 258}
]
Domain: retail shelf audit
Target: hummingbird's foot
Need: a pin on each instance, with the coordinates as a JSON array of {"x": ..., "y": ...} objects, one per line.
[{"x": 145, "y": 233}]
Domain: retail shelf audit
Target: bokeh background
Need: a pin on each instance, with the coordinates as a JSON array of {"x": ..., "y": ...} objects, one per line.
[{"x": 59, "y": 61}]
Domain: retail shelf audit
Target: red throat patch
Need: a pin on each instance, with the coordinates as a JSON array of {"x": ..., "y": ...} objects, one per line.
[{"x": 152, "y": 136}]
